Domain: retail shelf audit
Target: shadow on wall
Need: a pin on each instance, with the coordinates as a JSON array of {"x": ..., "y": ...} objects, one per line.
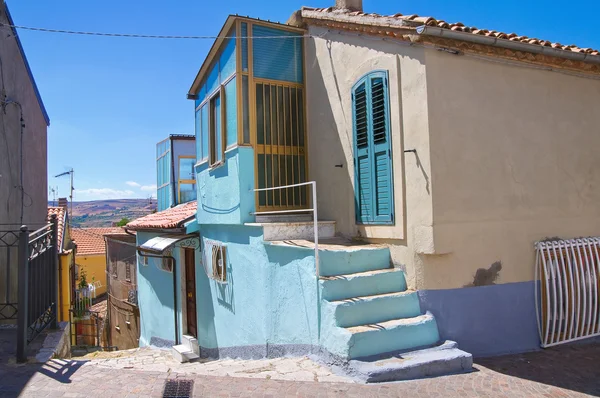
[
  {"x": 293, "y": 293},
  {"x": 486, "y": 320},
  {"x": 486, "y": 277},
  {"x": 214, "y": 210},
  {"x": 329, "y": 166},
  {"x": 225, "y": 292}
]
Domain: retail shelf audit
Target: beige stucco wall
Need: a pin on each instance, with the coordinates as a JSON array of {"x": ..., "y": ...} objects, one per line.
[
  {"x": 514, "y": 155},
  {"x": 335, "y": 62},
  {"x": 505, "y": 156}
]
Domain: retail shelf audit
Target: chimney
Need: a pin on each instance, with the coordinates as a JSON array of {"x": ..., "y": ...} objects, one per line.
[
  {"x": 62, "y": 202},
  {"x": 350, "y": 5}
]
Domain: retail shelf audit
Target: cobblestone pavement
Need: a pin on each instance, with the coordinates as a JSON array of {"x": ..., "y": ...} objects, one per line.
[
  {"x": 293, "y": 369},
  {"x": 559, "y": 372}
]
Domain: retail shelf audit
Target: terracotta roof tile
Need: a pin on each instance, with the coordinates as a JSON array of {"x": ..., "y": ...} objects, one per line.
[
  {"x": 416, "y": 20},
  {"x": 91, "y": 240},
  {"x": 61, "y": 214},
  {"x": 166, "y": 219}
]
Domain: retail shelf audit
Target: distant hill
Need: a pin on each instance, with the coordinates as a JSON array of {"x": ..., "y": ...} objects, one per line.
[{"x": 103, "y": 213}]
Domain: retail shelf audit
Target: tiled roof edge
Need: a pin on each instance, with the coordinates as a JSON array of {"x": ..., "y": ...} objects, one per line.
[{"x": 439, "y": 28}]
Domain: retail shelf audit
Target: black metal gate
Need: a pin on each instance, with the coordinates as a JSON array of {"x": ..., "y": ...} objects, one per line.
[{"x": 29, "y": 291}]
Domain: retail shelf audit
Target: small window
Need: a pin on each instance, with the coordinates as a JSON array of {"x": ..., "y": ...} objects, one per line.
[
  {"x": 187, "y": 180},
  {"x": 166, "y": 263},
  {"x": 216, "y": 136},
  {"x": 113, "y": 268},
  {"x": 219, "y": 263},
  {"x": 128, "y": 272},
  {"x": 214, "y": 260},
  {"x": 144, "y": 261}
]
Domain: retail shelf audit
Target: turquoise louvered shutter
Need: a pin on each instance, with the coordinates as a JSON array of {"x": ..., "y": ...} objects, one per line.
[{"x": 372, "y": 150}]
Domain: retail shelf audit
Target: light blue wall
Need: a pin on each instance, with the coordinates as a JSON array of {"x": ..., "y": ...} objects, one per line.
[
  {"x": 270, "y": 297},
  {"x": 225, "y": 193},
  {"x": 155, "y": 297}
]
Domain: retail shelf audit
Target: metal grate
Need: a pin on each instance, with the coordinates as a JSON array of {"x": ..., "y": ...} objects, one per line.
[
  {"x": 567, "y": 295},
  {"x": 280, "y": 146},
  {"x": 178, "y": 388}
]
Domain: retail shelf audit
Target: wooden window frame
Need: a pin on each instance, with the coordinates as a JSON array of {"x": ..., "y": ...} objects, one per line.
[
  {"x": 213, "y": 161},
  {"x": 184, "y": 181}
]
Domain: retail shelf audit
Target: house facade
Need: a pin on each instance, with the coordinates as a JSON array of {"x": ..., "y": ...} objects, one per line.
[
  {"x": 175, "y": 180},
  {"x": 441, "y": 154},
  {"x": 23, "y": 155},
  {"x": 90, "y": 257},
  {"x": 66, "y": 259},
  {"x": 487, "y": 131},
  {"x": 122, "y": 325}
]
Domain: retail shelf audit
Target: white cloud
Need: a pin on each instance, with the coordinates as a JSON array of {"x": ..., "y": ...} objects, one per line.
[
  {"x": 148, "y": 188},
  {"x": 104, "y": 193},
  {"x": 132, "y": 183}
]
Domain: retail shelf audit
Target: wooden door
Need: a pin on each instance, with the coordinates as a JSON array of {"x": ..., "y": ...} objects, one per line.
[{"x": 190, "y": 292}]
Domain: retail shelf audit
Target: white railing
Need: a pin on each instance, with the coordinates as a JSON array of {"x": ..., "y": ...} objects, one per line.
[
  {"x": 313, "y": 185},
  {"x": 566, "y": 297}
]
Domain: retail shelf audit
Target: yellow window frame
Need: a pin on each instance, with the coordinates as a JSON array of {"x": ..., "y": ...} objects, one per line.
[{"x": 179, "y": 179}]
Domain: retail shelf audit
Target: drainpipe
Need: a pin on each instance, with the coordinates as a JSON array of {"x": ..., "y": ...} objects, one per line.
[
  {"x": 509, "y": 44},
  {"x": 174, "y": 289}
]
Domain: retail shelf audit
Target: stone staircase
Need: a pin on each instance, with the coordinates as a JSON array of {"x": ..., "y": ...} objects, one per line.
[
  {"x": 374, "y": 324},
  {"x": 187, "y": 351}
]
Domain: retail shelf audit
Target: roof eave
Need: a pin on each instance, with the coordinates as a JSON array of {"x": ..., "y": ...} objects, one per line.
[
  {"x": 212, "y": 53},
  {"x": 508, "y": 44}
]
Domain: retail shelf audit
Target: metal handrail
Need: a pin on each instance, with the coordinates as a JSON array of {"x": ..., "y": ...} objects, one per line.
[{"x": 313, "y": 184}]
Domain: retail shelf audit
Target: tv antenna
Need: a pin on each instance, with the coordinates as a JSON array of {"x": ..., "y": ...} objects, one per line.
[
  {"x": 54, "y": 193},
  {"x": 70, "y": 172}
]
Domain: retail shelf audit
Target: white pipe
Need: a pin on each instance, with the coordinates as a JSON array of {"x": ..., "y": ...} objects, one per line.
[
  {"x": 504, "y": 43},
  {"x": 578, "y": 306},
  {"x": 594, "y": 283},
  {"x": 572, "y": 299},
  {"x": 316, "y": 228},
  {"x": 560, "y": 292},
  {"x": 597, "y": 275},
  {"x": 537, "y": 290},
  {"x": 588, "y": 291},
  {"x": 545, "y": 275}
]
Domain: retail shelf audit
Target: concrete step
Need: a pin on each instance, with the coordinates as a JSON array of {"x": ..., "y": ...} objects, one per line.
[
  {"x": 182, "y": 353},
  {"x": 353, "y": 259},
  {"x": 436, "y": 361},
  {"x": 376, "y": 308},
  {"x": 390, "y": 280},
  {"x": 277, "y": 231},
  {"x": 284, "y": 218},
  {"x": 393, "y": 335},
  {"x": 191, "y": 343}
]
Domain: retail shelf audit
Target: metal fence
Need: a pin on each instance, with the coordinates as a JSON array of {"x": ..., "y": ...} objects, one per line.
[
  {"x": 567, "y": 295},
  {"x": 37, "y": 287},
  {"x": 9, "y": 252}
]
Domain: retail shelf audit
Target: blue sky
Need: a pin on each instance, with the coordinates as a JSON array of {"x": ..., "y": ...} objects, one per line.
[{"x": 110, "y": 100}]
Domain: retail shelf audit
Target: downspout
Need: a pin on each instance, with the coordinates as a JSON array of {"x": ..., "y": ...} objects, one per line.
[
  {"x": 139, "y": 252},
  {"x": 509, "y": 44}
]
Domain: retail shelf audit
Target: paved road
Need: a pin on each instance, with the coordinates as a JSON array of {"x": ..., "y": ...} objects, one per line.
[{"x": 559, "y": 372}]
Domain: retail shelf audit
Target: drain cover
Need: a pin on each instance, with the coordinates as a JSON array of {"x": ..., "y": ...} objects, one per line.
[{"x": 178, "y": 388}]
